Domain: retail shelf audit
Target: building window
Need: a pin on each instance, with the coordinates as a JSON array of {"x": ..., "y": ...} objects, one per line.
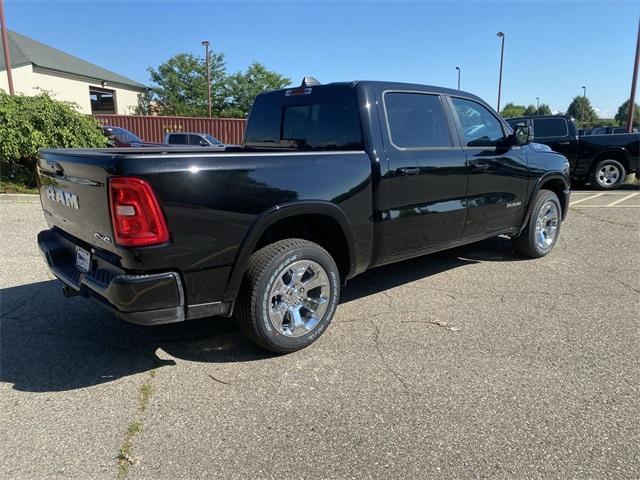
[{"x": 102, "y": 100}]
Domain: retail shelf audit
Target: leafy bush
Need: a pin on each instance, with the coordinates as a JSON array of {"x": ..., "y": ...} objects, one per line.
[{"x": 28, "y": 124}]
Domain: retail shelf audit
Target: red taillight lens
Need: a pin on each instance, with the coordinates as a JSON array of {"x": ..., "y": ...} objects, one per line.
[{"x": 135, "y": 213}]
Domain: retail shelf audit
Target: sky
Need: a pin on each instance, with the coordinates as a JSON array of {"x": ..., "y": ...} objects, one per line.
[{"x": 552, "y": 48}]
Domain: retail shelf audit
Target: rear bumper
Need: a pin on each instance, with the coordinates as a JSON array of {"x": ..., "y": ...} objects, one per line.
[{"x": 143, "y": 299}]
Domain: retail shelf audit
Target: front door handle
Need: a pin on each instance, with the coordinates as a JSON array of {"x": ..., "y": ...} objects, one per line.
[
  {"x": 564, "y": 143},
  {"x": 408, "y": 171},
  {"x": 479, "y": 167}
]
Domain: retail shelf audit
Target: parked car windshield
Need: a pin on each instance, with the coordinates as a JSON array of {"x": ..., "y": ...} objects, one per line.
[
  {"x": 125, "y": 136},
  {"x": 309, "y": 121},
  {"x": 213, "y": 140}
]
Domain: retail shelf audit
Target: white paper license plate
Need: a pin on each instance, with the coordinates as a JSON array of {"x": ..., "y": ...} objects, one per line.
[{"x": 83, "y": 259}]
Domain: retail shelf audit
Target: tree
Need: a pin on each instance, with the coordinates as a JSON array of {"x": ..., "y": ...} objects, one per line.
[
  {"x": 623, "y": 113},
  {"x": 581, "y": 109},
  {"x": 28, "y": 124},
  {"x": 241, "y": 89},
  {"x": 544, "y": 109},
  {"x": 180, "y": 85},
  {"x": 144, "y": 103},
  {"x": 530, "y": 110},
  {"x": 511, "y": 110}
]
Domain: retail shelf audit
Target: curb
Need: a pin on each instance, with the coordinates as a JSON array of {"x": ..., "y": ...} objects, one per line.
[{"x": 21, "y": 197}]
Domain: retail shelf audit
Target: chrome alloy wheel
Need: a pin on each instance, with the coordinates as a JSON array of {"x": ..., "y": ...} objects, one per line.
[
  {"x": 608, "y": 175},
  {"x": 547, "y": 226},
  {"x": 299, "y": 298}
]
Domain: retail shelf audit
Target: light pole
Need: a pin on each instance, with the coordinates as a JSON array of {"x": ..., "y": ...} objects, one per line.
[
  {"x": 634, "y": 80},
  {"x": 206, "y": 54},
  {"x": 501, "y": 35},
  {"x": 584, "y": 103},
  {"x": 538, "y": 106},
  {"x": 458, "y": 69},
  {"x": 5, "y": 44}
]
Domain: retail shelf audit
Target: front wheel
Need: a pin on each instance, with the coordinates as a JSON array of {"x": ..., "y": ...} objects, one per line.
[
  {"x": 608, "y": 175},
  {"x": 289, "y": 295},
  {"x": 543, "y": 227}
]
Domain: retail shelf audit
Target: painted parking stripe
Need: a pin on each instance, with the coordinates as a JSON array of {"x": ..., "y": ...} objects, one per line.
[
  {"x": 607, "y": 206},
  {"x": 620, "y": 200},
  {"x": 587, "y": 198}
]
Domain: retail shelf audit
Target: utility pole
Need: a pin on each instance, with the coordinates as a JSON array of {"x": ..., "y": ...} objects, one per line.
[
  {"x": 5, "y": 45},
  {"x": 501, "y": 35},
  {"x": 634, "y": 80},
  {"x": 538, "y": 106},
  {"x": 458, "y": 69},
  {"x": 206, "y": 54}
]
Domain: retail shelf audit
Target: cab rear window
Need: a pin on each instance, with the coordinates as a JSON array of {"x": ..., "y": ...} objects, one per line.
[{"x": 317, "y": 121}]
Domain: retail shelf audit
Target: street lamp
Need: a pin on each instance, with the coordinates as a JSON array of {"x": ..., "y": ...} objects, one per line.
[
  {"x": 501, "y": 35},
  {"x": 458, "y": 69},
  {"x": 538, "y": 106},
  {"x": 584, "y": 102},
  {"x": 205, "y": 43}
]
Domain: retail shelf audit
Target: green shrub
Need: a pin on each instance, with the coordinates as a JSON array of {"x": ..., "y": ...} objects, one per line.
[{"x": 28, "y": 124}]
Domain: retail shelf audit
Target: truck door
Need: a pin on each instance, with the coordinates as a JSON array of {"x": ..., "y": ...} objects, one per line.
[
  {"x": 425, "y": 185},
  {"x": 498, "y": 174},
  {"x": 557, "y": 134}
]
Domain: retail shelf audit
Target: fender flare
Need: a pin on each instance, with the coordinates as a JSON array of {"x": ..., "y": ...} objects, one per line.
[
  {"x": 534, "y": 191},
  {"x": 275, "y": 214},
  {"x": 617, "y": 151}
]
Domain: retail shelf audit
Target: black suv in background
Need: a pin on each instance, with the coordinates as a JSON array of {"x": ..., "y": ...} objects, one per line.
[{"x": 603, "y": 160}]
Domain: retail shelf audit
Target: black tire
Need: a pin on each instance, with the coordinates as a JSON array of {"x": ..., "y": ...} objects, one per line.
[
  {"x": 266, "y": 266},
  {"x": 525, "y": 243},
  {"x": 601, "y": 180}
]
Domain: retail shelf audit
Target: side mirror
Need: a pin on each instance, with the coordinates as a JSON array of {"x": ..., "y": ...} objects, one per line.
[{"x": 522, "y": 134}]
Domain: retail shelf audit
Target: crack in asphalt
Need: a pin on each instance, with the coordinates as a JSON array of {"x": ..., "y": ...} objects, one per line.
[
  {"x": 601, "y": 220},
  {"x": 385, "y": 362}
]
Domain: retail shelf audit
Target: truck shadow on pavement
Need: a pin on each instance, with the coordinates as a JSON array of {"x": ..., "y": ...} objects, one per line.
[{"x": 50, "y": 344}]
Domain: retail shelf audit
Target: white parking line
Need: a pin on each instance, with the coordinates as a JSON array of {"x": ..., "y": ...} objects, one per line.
[
  {"x": 585, "y": 199},
  {"x": 623, "y": 199}
]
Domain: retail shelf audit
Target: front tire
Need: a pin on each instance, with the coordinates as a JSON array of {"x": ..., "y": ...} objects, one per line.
[
  {"x": 543, "y": 227},
  {"x": 289, "y": 295},
  {"x": 608, "y": 175}
]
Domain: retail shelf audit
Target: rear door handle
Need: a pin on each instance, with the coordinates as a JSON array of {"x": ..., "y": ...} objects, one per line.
[
  {"x": 408, "y": 171},
  {"x": 564, "y": 143},
  {"x": 479, "y": 167}
]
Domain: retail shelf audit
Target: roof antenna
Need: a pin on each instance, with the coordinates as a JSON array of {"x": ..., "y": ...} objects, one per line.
[{"x": 309, "y": 82}]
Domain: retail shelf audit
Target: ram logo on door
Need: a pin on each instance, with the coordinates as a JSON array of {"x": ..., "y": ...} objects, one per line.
[{"x": 65, "y": 198}]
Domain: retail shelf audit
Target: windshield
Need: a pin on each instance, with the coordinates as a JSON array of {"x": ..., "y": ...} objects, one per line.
[
  {"x": 125, "y": 136},
  {"x": 213, "y": 140}
]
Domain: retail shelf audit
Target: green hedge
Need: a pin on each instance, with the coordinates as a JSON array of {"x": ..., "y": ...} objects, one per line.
[{"x": 28, "y": 124}]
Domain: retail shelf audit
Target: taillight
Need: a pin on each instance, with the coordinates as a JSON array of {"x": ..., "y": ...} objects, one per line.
[{"x": 135, "y": 213}]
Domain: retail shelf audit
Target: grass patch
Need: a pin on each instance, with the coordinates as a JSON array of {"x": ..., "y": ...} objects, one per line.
[
  {"x": 10, "y": 187},
  {"x": 125, "y": 454}
]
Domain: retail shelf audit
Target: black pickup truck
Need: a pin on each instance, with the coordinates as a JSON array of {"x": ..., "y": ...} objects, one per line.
[
  {"x": 602, "y": 160},
  {"x": 331, "y": 180}
]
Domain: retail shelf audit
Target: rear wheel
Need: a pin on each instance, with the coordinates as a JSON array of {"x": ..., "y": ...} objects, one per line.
[
  {"x": 543, "y": 227},
  {"x": 289, "y": 295},
  {"x": 608, "y": 174}
]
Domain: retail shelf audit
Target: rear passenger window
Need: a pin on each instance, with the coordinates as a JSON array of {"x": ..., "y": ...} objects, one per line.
[
  {"x": 178, "y": 139},
  {"x": 550, "y": 127},
  {"x": 416, "y": 120}
]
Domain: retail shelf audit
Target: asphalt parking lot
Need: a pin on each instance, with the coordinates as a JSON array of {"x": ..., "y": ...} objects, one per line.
[{"x": 472, "y": 363}]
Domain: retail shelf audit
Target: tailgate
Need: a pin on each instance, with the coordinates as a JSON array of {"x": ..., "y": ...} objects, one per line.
[{"x": 74, "y": 194}]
